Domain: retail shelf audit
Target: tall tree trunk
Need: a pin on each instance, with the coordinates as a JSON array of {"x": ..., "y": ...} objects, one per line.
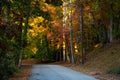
[
  {"x": 47, "y": 44},
  {"x": 60, "y": 55},
  {"x": 19, "y": 41},
  {"x": 24, "y": 36},
  {"x": 67, "y": 50},
  {"x": 111, "y": 23},
  {"x": 64, "y": 47},
  {"x": 119, "y": 23},
  {"x": 81, "y": 32},
  {"x": 71, "y": 34},
  {"x": 64, "y": 24}
]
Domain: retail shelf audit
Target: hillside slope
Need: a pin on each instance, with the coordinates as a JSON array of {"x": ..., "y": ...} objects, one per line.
[
  {"x": 106, "y": 57},
  {"x": 101, "y": 60}
]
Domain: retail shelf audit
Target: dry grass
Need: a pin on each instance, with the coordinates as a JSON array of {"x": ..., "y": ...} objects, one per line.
[{"x": 105, "y": 58}]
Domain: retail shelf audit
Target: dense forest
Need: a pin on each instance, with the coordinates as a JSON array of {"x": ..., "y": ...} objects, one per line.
[{"x": 54, "y": 30}]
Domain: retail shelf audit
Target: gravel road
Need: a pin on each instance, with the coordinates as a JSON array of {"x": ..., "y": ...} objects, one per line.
[{"x": 56, "y": 72}]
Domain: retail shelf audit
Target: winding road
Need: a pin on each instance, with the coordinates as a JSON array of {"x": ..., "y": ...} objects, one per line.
[{"x": 56, "y": 72}]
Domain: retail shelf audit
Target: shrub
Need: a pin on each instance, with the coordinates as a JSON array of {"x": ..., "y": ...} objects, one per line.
[
  {"x": 7, "y": 65},
  {"x": 7, "y": 60},
  {"x": 27, "y": 53},
  {"x": 115, "y": 70}
]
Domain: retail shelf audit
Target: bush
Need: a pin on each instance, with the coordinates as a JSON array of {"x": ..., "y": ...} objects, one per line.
[
  {"x": 115, "y": 70},
  {"x": 43, "y": 55},
  {"x": 7, "y": 60},
  {"x": 27, "y": 53},
  {"x": 7, "y": 65}
]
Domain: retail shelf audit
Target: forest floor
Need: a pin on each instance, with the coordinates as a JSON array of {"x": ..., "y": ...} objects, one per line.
[{"x": 103, "y": 59}]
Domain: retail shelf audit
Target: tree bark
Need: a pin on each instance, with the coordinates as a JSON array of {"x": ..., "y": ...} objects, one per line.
[
  {"x": 24, "y": 36},
  {"x": 67, "y": 50},
  {"x": 64, "y": 25},
  {"x": 81, "y": 32},
  {"x": 111, "y": 23},
  {"x": 71, "y": 34}
]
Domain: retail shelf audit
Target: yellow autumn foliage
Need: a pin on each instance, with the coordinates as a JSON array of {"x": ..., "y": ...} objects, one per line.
[{"x": 36, "y": 28}]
